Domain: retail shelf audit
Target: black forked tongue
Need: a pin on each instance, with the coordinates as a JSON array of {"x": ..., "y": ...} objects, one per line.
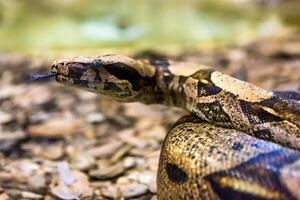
[{"x": 42, "y": 76}]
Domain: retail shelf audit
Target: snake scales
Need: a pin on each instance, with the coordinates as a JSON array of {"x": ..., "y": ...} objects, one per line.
[{"x": 240, "y": 141}]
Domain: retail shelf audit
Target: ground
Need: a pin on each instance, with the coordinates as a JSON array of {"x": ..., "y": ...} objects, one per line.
[{"x": 59, "y": 142}]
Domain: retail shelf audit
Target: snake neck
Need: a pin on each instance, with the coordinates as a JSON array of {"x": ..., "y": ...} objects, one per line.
[
  {"x": 169, "y": 90},
  {"x": 221, "y": 99}
]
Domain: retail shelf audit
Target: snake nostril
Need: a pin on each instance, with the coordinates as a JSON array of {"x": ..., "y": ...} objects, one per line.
[{"x": 54, "y": 69}]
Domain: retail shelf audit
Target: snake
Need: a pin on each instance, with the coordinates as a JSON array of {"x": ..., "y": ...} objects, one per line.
[{"x": 239, "y": 141}]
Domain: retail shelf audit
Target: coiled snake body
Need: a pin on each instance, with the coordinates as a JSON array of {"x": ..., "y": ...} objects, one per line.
[{"x": 240, "y": 141}]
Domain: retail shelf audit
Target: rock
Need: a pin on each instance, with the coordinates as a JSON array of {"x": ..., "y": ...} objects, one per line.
[
  {"x": 128, "y": 136},
  {"x": 39, "y": 117},
  {"x": 13, "y": 135},
  {"x": 111, "y": 192},
  {"x": 49, "y": 197},
  {"x": 130, "y": 161},
  {"x": 71, "y": 184},
  {"x": 65, "y": 100},
  {"x": 63, "y": 192},
  {"x": 95, "y": 118},
  {"x": 139, "y": 110},
  {"x": 146, "y": 177},
  {"x": 119, "y": 154},
  {"x": 30, "y": 195},
  {"x": 45, "y": 150},
  {"x": 4, "y": 146},
  {"x": 8, "y": 139},
  {"x": 105, "y": 150},
  {"x": 5, "y": 117},
  {"x": 65, "y": 175},
  {"x": 7, "y": 91},
  {"x": 82, "y": 161},
  {"x": 34, "y": 95},
  {"x": 84, "y": 95},
  {"x": 156, "y": 132},
  {"x": 153, "y": 160},
  {"x": 6, "y": 176},
  {"x": 53, "y": 151},
  {"x": 108, "y": 172},
  {"x": 4, "y": 196},
  {"x": 56, "y": 128},
  {"x": 134, "y": 190},
  {"x": 27, "y": 167},
  {"x": 37, "y": 181}
]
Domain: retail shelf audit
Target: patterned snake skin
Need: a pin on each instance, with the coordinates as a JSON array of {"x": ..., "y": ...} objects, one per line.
[{"x": 240, "y": 141}]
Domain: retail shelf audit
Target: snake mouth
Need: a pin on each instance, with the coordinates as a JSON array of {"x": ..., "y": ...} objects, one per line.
[
  {"x": 63, "y": 79},
  {"x": 72, "y": 81},
  {"x": 111, "y": 89},
  {"x": 92, "y": 86}
]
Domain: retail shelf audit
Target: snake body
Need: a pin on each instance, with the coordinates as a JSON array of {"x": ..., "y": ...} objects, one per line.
[{"x": 240, "y": 141}]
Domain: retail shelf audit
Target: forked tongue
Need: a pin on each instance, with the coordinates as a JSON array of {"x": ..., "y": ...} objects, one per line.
[{"x": 34, "y": 77}]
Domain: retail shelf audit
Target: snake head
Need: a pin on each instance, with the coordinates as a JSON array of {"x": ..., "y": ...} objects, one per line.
[{"x": 116, "y": 76}]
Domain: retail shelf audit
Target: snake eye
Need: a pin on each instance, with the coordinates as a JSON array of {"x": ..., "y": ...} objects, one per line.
[{"x": 125, "y": 72}]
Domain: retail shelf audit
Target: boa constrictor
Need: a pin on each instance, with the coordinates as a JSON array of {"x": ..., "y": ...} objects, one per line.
[{"x": 240, "y": 141}]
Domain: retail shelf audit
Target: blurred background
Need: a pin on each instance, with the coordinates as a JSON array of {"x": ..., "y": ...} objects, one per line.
[
  {"x": 60, "y": 25},
  {"x": 58, "y": 142}
]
